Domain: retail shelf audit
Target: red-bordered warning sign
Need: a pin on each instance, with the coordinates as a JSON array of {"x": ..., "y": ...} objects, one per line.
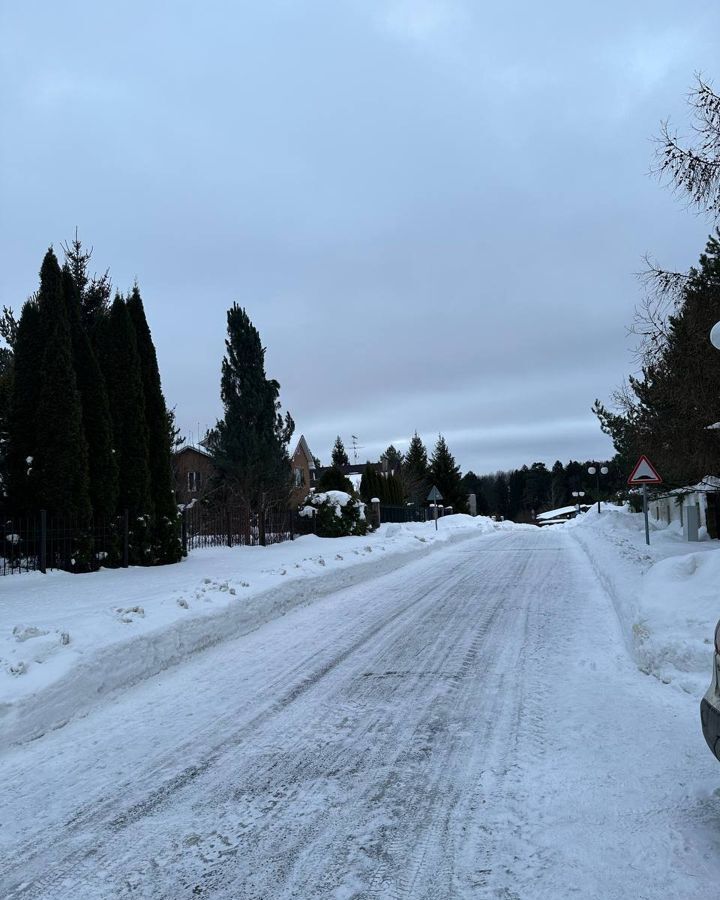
[{"x": 644, "y": 473}]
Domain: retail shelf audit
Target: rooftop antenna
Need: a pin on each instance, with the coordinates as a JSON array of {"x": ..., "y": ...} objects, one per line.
[{"x": 355, "y": 447}]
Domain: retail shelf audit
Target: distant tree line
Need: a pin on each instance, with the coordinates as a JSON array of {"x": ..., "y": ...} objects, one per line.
[
  {"x": 84, "y": 429},
  {"x": 404, "y": 478},
  {"x": 667, "y": 410},
  {"x": 520, "y": 494}
]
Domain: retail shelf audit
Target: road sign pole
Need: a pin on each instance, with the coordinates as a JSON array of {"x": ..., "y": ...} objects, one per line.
[
  {"x": 645, "y": 512},
  {"x": 435, "y": 516}
]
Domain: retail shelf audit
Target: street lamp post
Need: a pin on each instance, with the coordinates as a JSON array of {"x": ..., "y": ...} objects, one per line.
[
  {"x": 597, "y": 472},
  {"x": 579, "y": 495}
]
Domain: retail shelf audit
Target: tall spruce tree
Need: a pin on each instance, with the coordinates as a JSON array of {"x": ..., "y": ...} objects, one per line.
[
  {"x": 29, "y": 349},
  {"x": 250, "y": 443},
  {"x": 666, "y": 410},
  {"x": 445, "y": 475},
  {"x": 121, "y": 367},
  {"x": 159, "y": 440},
  {"x": 339, "y": 454},
  {"x": 93, "y": 292},
  {"x": 392, "y": 460},
  {"x": 415, "y": 471},
  {"x": 60, "y": 461},
  {"x": 96, "y": 419},
  {"x": 371, "y": 484}
]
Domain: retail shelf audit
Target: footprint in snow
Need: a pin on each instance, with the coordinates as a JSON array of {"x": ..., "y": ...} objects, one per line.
[{"x": 128, "y": 614}]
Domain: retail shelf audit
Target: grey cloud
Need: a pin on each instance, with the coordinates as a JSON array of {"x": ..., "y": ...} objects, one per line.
[{"x": 432, "y": 210}]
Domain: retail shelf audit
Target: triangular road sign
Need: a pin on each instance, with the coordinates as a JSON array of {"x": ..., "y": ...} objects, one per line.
[
  {"x": 434, "y": 495},
  {"x": 644, "y": 473}
]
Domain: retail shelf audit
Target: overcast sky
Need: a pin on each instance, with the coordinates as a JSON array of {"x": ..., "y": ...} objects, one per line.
[{"x": 431, "y": 209}]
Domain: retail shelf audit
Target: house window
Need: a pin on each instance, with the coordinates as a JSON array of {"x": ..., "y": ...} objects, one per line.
[
  {"x": 194, "y": 480},
  {"x": 298, "y": 477}
]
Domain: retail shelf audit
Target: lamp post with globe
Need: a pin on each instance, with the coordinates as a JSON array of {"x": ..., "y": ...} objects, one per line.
[{"x": 597, "y": 471}]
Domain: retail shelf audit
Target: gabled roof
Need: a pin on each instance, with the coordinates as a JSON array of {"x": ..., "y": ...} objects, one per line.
[
  {"x": 193, "y": 447},
  {"x": 302, "y": 444}
]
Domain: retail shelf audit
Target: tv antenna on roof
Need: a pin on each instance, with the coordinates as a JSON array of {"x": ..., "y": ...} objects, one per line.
[{"x": 355, "y": 446}]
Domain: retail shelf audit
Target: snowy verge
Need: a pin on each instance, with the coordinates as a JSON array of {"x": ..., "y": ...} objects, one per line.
[
  {"x": 666, "y": 597},
  {"x": 69, "y": 641}
]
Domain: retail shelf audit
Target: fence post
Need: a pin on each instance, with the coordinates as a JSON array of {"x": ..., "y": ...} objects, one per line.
[
  {"x": 229, "y": 529},
  {"x": 126, "y": 539},
  {"x": 43, "y": 541},
  {"x": 183, "y": 531},
  {"x": 376, "y": 510},
  {"x": 292, "y": 525}
]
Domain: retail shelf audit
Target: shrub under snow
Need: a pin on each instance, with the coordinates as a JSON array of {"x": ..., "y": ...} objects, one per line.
[{"x": 337, "y": 514}]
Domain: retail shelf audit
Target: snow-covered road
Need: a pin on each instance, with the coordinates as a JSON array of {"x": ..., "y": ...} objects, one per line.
[{"x": 467, "y": 726}]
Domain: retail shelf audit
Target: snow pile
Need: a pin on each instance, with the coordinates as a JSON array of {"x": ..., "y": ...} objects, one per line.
[
  {"x": 666, "y": 598},
  {"x": 67, "y": 641},
  {"x": 338, "y": 500}
]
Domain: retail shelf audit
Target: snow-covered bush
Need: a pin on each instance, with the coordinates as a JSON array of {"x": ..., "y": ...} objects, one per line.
[{"x": 337, "y": 514}]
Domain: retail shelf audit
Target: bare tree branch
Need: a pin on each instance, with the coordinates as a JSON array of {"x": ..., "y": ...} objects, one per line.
[{"x": 693, "y": 170}]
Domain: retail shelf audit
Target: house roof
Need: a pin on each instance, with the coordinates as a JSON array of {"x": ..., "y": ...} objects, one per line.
[
  {"x": 193, "y": 447},
  {"x": 302, "y": 444}
]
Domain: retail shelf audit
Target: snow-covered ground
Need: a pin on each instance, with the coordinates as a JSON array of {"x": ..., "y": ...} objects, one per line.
[
  {"x": 67, "y": 641},
  {"x": 436, "y": 721},
  {"x": 666, "y": 595}
]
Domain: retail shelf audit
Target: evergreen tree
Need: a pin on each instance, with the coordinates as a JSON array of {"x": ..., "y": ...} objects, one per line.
[
  {"x": 537, "y": 488},
  {"x": 157, "y": 421},
  {"x": 499, "y": 500},
  {"x": 558, "y": 487},
  {"x": 445, "y": 475},
  {"x": 96, "y": 419},
  {"x": 371, "y": 484},
  {"x": 665, "y": 411},
  {"x": 249, "y": 445},
  {"x": 415, "y": 471},
  {"x": 6, "y": 385},
  {"x": 392, "y": 460},
  {"x": 332, "y": 479},
  {"x": 121, "y": 367},
  {"x": 393, "y": 490},
  {"x": 94, "y": 292},
  {"x": 28, "y": 354},
  {"x": 60, "y": 460},
  {"x": 339, "y": 456}
]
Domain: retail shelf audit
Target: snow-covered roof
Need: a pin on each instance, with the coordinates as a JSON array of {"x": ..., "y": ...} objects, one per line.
[
  {"x": 562, "y": 511},
  {"x": 201, "y": 450}
]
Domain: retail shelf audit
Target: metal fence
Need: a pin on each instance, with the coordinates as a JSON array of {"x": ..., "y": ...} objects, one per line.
[
  {"x": 409, "y": 513},
  {"x": 230, "y": 526},
  {"x": 40, "y": 542}
]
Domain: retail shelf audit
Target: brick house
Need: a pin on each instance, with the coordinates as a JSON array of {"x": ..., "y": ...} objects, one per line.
[
  {"x": 193, "y": 469},
  {"x": 303, "y": 471}
]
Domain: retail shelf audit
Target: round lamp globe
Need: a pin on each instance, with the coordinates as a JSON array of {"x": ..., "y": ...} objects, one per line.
[{"x": 715, "y": 335}]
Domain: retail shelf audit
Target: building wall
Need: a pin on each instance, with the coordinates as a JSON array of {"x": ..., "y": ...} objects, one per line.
[
  {"x": 192, "y": 487},
  {"x": 303, "y": 471}
]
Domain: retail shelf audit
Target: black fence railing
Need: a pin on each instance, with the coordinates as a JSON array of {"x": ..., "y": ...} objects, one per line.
[
  {"x": 41, "y": 542},
  {"x": 230, "y": 526},
  {"x": 409, "y": 513},
  {"x": 38, "y": 543}
]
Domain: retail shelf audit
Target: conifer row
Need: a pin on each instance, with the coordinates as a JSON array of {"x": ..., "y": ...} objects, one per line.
[{"x": 85, "y": 426}]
